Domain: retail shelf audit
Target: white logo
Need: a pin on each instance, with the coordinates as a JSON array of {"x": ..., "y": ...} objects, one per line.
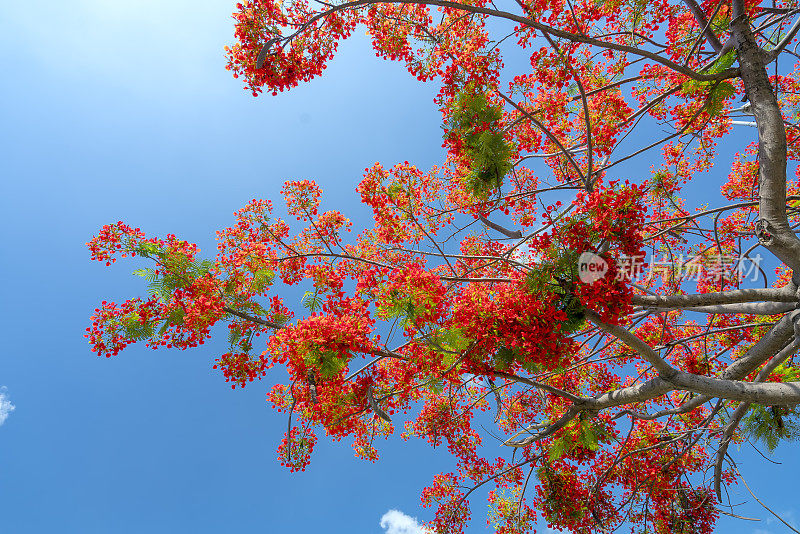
[{"x": 591, "y": 267}]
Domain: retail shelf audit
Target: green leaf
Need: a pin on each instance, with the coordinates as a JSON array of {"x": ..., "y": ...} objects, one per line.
[
  {"x": 148, "y": 250},
  {"x": 311, "y": 300},
  {"x": 718, "y": 95},
  {"x": 262, "y": 279},
  {"x": 147, "y": 273},
  {"x": 720, "y": 91},
  {"x": 558, "y": 448},
  {"x": 135, "y": 329},
  {"x": 453, "y": 339},
  {"x": 504, "y": 357},
  {"x": 201, "y": 268},
  {"x": 487, "y": 150},
  {"x": 787, "y": 373},
  {"x": 328, "y": 363},
  {"x": 772, "y": 424},
  {"x": 280, "y": 318},
  {"x": 587, "y": 438},
  {"x": 234, "y": 335},
  {"x": 175, "y": 318},
  {"x": 437, "y": 386},
  {"x": 722, "y": 63}
]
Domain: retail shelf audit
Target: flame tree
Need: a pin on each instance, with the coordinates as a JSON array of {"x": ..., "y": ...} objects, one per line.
[{"x": 613, "y": 337}]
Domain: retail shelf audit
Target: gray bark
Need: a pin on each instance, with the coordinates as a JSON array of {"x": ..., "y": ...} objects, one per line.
[
  {"x": 737, "y": 296},
  {"x": 772, "y": 228},
  {"x": 752, "y": 308}
]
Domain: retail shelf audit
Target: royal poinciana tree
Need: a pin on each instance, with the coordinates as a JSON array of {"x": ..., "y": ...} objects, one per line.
[{"x": 619, "y": 332}]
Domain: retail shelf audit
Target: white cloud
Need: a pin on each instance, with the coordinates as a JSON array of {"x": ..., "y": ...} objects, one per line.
[
  {"x": 790, "y": 516},
  {"x": 5, "y": 405},
  {"x": 396, "y": 522}
]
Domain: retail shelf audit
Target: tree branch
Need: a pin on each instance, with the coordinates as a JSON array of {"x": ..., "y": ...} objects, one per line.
[
  {"x": 645, "y": 351},
  {"x": 752, "y": 308},
  {"x": 736, "y": 296},
  {"x": 772, "y": 394},
  {"x": 704, "y": 24},
  {"x": 532, "y": 23},
  {"x": 513, "y": 234}
]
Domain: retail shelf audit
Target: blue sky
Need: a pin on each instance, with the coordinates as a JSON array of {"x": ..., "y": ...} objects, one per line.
[{"x": 122, "y": 110}]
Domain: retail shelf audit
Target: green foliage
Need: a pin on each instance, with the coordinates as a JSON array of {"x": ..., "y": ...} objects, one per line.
[
  {"x": 147, "y": 273},
  {"x": 451, "y": 339},
  {"x": 771, "y": 424},
  {"x": 327, "y": 362},
  {"x": 234, "y": 336},
  {"x": 397, "y": 306},
  {"x": 721, "y": 23},
  {"x": 717, "y": 92},
  {"x": 506, "y": 514},
  {"x": 312, "y": 301},
  {"x": 722, "y": 63},
  {"x": 148, "y": 250},
  {"x": 404, "y": 307},
  {"x": 175, "y": 318},
  {"x": 238, "y": 341},
  {"x": 176, "y": 271},
  {"x": 397, "y": 190},
  {"x": 162, "y": 287},
  {"x": 556, "y": 277},
  {"x": 474, "y": 121},
  {"x": 436, "y": 386},
  {"x": 580, "y": 433},
  {"x": 572, "y": 307},
  {"x": 200, "y": 268},
  {"x": 136, "y": 329},
  {"x": 557, "y": 449},
  {"x": 663, "y": 185},
  {"x": 278, "y": 318},
  {"x": 262, "y": 279},
  {"x": 558, "y": 268},
  {"x": 504, "y": 357},
  {"x": 450, "y": 342},
  {"x": 554, "y": 483},
  {"x": 787, "y": 373}
]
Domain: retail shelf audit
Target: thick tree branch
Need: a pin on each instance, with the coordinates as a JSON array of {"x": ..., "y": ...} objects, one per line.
[
  {"x": 513, "y": 234},
  {"x": 645, "y": 351},
  {"x": 770, "y": 344},
  {"x": 645, "y": 391},
  {"x": 737, "y": 296},
  {"x": 772, "y": 228},
  {"x": 752, "y": 308},
  {"x": 772, "y": 394},
  {"x": 704, "y": 24}
]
